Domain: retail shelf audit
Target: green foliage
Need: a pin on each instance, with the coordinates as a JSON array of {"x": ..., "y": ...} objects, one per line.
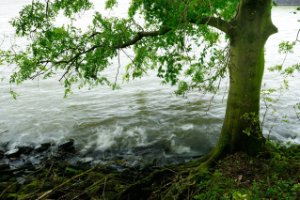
[
  {"x": 13, "y": 94},
  {"x": 239, "y": 196},
  {"x": 292, "y": 69},
  {"x": 183, "y": 87},
  {"x": 166, "y": 41},
  {"x": 252, "y": 119},
  {"x": 159, "y": 10},
  {"x": 216, "y": 191},
  {"x": 39, "y": 16},
  {"x": 70, "y": 6},
  {"x": 276, "y": 68},
  {"x": 110, "y": 4},
  {"x": 286, "y": 47},
  {"x": 2, "y": 56},
  {"x": 287, "y": 71}
]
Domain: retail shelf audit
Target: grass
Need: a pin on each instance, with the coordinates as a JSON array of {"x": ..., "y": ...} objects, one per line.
[{"x": 275, "y": 175}]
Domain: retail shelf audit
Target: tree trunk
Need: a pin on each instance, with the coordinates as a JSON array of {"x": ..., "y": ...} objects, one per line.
[{"x": 250, "y": 30}]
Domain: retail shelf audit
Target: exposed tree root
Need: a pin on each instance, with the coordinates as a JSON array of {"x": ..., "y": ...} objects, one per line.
[{"x": 176, "y": 182}]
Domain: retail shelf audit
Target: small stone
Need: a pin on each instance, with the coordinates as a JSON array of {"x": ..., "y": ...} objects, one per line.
[
  {"x": 13, "y": 153},
  {"x": 27, "y": 166},
  {"x": 4, "y": 167},
  {"x": 85, "y": 161},
  {"x": 25, "y": 150},
  {"x": 42, "y": 147},
  {"x": 1, "y": 154},
  {"x": 67, "y": 147},
  {"x": 240, "y": 177}
]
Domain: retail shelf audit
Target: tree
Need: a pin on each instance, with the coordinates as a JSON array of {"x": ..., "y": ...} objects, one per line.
[{"x": 159, "y": 42}]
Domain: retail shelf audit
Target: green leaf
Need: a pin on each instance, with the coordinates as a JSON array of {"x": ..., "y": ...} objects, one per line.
[
  {"x": 286, "y": 47},
  {"x": 275, "y": 68},
  {"x": 13, "y": 94},
  {"x": 110, "y": 4}
]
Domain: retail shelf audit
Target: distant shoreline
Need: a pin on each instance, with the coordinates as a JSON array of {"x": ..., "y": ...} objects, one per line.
[{"x": 287, "y": 2}]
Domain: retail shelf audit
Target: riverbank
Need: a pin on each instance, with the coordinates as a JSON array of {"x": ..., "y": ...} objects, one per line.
[{"x": 272, "y": 175}]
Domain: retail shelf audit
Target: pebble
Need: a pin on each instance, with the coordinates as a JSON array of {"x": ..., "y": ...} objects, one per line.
[
  {"x": 43, "y": 147},
  {"x": 1, "y": 154},
  {"x": 4, "y": 167},
  {"x": 13, "y": 153},
  {"x": 67, "y": 147},
  {"x": 25, "y": 150}
]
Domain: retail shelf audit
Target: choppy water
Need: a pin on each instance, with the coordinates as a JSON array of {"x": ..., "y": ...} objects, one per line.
[{"x": 143, "y": 112}]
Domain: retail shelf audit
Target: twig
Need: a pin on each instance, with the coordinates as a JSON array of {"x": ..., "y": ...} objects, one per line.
[
  {"x": 104, "y": 188},
  {"x": 297, "y": 37},
  {"x": 127, "y": 54},
  {"x": 296, "y": 40},
  {"x": 118, "y": 71},
  {"x": 265, "y": 114},
  {"x": 270, "y": 130},
  {"x": 49, "y": 192}
]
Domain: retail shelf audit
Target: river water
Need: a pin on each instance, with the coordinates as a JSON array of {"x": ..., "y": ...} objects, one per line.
[{"x": 144, "y": 112}]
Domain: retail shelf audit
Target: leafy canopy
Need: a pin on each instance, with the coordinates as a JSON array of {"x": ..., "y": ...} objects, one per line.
[{"x": 173, "y": 37}]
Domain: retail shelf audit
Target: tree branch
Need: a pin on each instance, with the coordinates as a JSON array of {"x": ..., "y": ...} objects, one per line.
[
  {"x": 215, "y": 22},
  {"x": 139, "y": 36}
]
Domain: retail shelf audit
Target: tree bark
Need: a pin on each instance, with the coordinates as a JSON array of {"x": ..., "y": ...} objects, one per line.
[{"x": 249, "y": 32}]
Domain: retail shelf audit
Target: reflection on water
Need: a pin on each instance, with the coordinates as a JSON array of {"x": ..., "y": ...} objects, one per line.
[{"x": 143, "y": 112}]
